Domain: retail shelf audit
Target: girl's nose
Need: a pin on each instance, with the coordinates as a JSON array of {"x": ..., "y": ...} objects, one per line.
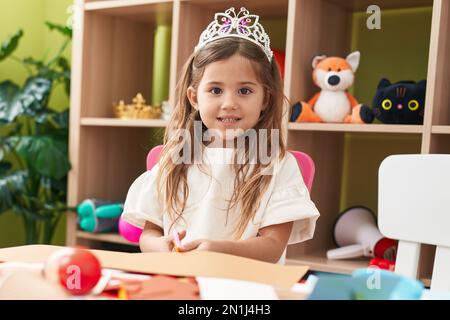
[{"x": 229, "y": 102}]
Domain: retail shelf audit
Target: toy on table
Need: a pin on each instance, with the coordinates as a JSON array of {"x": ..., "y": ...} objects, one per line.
[
  {"x": 333, "y": 75},
  {"x": 96, "y": 215},
  {"x": 402, "y": 102},
  {"x": 382, "y": 264},
  {"x": 367, "y": 284},
  {"x": 356, "y": 234},
  {"x": 375, "y": 284},
  {"x": 76, "y": 270}
]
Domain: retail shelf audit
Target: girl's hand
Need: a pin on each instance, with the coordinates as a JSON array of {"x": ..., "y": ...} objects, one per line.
[{"x": 164, "y": 243}]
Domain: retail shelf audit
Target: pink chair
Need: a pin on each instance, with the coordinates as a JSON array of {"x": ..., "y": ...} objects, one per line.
[
  {"x": 307, "y": 167},
  {"x": 304, "y": 161}
]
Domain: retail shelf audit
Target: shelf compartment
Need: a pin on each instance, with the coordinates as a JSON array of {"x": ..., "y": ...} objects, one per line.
[
  {"x": 111, "y": 158},
  {"x": 340, "y": 29},
  {"x": 118, "y": 54},
  {"x": 147, "y": 11},
  {"x": 340, "y": 184},
  {"x": 347, "y": 127},
  {"x": 440, "y": 142},
  {"x": 113, "y": 122},
  {"x": 105, "y": 237}
]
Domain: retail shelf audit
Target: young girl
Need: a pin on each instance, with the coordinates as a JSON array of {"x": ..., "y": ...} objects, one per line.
[{"x": 207, "y": 185}]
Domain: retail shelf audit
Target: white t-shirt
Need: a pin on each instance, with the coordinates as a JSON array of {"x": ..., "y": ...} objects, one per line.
[{"x": 205, "y": 216}]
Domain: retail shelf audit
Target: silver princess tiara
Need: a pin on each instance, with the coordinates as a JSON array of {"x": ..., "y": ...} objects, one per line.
[{"x": 241, "y": 25}]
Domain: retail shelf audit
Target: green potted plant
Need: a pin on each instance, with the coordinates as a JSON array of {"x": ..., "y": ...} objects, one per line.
[{"x": 33, "y": 141}]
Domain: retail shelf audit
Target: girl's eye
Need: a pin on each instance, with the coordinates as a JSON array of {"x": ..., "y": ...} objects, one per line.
[
  {"x": 216, "y": 90},
  {"x": 245, "y": 91}
]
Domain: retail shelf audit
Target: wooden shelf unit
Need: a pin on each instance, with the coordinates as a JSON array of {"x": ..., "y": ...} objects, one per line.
[
  {"x": 104, "y": 237},
  {"x": 112, "y": 60}
]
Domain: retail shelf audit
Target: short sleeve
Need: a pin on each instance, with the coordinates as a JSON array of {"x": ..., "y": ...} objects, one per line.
[
  {"x": 290, "y": 201},
  {"x": 142, "y": 203}
]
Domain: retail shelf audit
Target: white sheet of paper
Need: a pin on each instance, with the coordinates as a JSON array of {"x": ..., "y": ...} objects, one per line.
[{"x": 230, "y": 289}]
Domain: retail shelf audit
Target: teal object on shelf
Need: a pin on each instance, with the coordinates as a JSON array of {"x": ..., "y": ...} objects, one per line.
[{"x": 99, "y": 216}]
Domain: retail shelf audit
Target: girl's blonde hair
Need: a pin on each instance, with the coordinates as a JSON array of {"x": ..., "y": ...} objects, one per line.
[{"x": 249, "y": 185}]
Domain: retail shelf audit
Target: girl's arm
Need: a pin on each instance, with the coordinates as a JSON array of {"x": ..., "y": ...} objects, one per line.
[
  {"x": 268, "y": 246},
  {"x": 153, "y": 239}
]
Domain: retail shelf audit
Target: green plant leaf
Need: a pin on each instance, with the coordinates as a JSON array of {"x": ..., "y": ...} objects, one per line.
[
  {"x": 64, "y": 30},
  {"x": 63, "y": 63},
  {"x": 9, "y": 45},
  {"x": 10, "y": 186},
  {"x": 47, "y": 155},
  {"x": 5, "y": 166},
  {"x": 41, "y": 69},
  {"x": 8, "y": 109},
  {"x": 29, "y": 100},
  {"x": 52, "y": 123}
]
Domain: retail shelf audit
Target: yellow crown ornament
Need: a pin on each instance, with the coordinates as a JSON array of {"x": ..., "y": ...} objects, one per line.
[{"x": 137, "y": 110}]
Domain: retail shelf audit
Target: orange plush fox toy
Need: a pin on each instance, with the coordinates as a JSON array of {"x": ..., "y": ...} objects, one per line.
[{"x": 333, "y": 103}]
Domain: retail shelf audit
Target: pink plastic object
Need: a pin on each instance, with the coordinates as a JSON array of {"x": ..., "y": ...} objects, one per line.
[
  {"x": 307, "y": 167},
  {"x": 305, "y": 163},
  {"x": 153, "y": 156},
  {"x": 129, "y": 232}
]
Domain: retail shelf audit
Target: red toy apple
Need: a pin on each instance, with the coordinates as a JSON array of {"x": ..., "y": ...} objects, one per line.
[{"x": 77, "y": 270}]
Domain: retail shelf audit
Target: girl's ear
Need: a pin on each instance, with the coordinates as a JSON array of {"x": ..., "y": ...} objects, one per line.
[{"x": 192, "y": 97}]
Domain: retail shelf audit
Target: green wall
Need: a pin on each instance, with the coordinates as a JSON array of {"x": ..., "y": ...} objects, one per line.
[
  {"x": 30, "y": 15},
  {"x": 399, "y": 51}
]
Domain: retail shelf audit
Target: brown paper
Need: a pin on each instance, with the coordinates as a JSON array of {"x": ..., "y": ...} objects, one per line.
[{"x": 194, "y": 263}]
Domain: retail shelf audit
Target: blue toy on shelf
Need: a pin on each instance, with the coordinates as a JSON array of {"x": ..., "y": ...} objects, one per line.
[{"x": 97, "y": 216}]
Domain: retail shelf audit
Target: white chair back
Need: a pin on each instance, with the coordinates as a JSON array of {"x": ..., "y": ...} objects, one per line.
[{"x": 414, "y": 207}]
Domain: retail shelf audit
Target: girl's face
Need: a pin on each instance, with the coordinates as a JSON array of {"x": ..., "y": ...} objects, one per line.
[{"x": 229, "y": 96}]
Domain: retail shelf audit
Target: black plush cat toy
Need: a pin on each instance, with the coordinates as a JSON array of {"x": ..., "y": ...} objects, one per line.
[{"x": 399, "y": 103}]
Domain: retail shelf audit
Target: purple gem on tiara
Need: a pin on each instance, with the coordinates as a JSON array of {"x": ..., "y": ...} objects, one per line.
[{"x": 243, "y": 30}]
